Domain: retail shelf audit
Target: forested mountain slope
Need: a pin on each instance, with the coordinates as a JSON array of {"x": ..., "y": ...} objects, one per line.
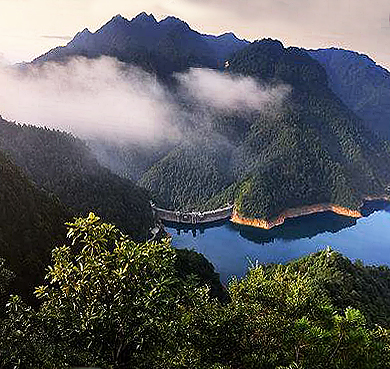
[
  {"x": 312, "y": 149},
  {"x": 366, "y": 288},
  {"x": 32, "y": 221},
  {"x": 63, "y": 165},
  {"x": 363, "y": 85}
]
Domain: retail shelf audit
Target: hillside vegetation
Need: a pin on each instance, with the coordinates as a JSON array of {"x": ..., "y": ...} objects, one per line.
[
  {"x": 363, "y": 85},
  {"x": 312, "y": 149},
  {"x": 366, "y": 288},
  {"x": 113, "y": 303},
  {"x": 316, "y": 144},
  {"x": 62, "y": 164},
  {"x": 31, "y": 223}
]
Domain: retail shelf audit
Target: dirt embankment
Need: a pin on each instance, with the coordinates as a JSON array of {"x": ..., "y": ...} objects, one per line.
[{"x": 294, "y": 213}]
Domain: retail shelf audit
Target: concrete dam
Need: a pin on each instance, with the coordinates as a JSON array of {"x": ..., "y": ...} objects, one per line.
[{"x": 193, "y": 217}]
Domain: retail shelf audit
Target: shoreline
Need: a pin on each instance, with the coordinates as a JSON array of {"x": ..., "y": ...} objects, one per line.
[{"x": 236, "y": 218}]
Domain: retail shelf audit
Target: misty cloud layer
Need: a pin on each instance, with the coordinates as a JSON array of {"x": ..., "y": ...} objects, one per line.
[
  {"x": 229, "y": 93},
  {"x": 104, "y": 98},
  {"x": 89, "y": 98}
]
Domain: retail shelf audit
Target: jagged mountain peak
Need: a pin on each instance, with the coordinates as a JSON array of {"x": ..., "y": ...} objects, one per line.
[
  {"x": 115, "y": 23},
  {"x": 82, "y": 34},
  {"x": 175, "y": 22},
  {"x": 146, "y": 42},
  {"x": 118, "y": 16},
  {"x": 118, "y": 19},
  {"x": 81, "y": 39},
  {"x": 228, "y": 35},
  {"x": 119, "y": 23},
  {"x": 144, "y": 18},
  {"x": 85, "y": 31}
]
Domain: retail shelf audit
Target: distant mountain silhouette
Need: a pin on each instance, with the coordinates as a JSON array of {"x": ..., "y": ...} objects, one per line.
[
  {"x": 363, "y": 85},
  {"x": 161, "y": 47}
]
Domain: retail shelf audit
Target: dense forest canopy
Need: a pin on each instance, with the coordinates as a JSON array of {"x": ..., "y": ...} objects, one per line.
[
  {"x": 31, "y": 222},
  {"x": 62, "y": 164},
  {"x": 363, "y": 85},
  {"x": 309, "y": 149}
]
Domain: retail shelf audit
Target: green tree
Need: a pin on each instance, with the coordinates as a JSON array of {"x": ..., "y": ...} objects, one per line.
[
  {"x": 109, "y": 302},
  {"x": 6, "y": 277},
  {"x": 113, "y": 303},
  {"x": 281, "y": 317}
]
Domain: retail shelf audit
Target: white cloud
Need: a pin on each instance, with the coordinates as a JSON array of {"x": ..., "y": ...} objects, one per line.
[
  {"x": 226, "y": 92},
  {"x": 101, "y": 98}
]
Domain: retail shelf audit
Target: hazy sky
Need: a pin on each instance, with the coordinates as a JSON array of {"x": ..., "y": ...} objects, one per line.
[{"x": 30, "y": 27}]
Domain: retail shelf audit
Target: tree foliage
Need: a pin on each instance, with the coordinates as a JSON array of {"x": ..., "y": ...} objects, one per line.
[
  {"x": 31, "y": 222},
  {"x": 62, "y": 164},
  {"x": 113, "y": 303},
  {"x": 366, "y": 288}
]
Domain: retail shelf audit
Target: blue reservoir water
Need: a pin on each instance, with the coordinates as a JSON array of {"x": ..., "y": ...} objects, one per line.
[{"x": 232, "y": 248}]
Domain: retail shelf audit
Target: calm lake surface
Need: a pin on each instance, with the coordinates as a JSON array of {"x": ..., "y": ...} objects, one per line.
[{"x": 232, "y": 248}]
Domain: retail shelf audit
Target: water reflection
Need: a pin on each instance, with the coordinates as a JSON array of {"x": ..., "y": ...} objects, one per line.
[
  {"x": 306, "y": 226},
  {"x": 229, "y": 246},
  {"x": 196, "y": 230},
  {"x": 292, "y": 229},
  {"x": 371, "y": 206}
]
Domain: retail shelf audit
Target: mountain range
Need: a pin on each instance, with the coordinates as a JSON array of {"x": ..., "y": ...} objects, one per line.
[
  {"x": 160, "y": 47},
  {"x": 322, "y": 138},
  {"x": 323, "y": 145},
  {"x": 312, "y": 150},
  {"x": 170, "y": 45}
]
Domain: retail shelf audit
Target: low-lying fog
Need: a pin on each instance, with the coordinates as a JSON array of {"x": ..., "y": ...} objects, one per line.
[{"x": 104, "y": 98}]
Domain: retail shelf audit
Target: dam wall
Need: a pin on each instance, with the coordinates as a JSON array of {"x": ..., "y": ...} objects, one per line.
[{"x": 193, "y": 217}]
